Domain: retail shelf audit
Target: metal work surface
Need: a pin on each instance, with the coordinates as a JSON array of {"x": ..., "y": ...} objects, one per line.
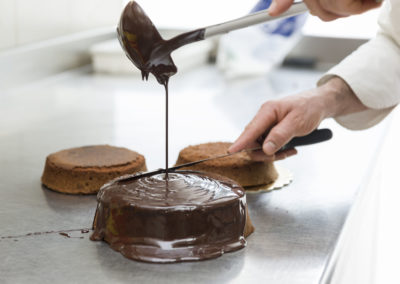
[{"x": 296, "y": 227}]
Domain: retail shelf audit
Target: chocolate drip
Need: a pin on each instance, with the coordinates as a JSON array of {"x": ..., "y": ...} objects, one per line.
[
  {"x": 190, "y": 216},
  {"x": 178, "y": 216},
  {"x": 62, "y": 233},
  {"x": 166, "y": 131},
  {"x": 149, "y": 52}
]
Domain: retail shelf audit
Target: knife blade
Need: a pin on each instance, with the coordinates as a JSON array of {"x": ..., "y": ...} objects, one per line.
[{"x": 317, "y": 136}]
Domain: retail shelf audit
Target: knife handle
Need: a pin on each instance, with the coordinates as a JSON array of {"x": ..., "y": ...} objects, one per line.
[{"x": 317, "y": 136}]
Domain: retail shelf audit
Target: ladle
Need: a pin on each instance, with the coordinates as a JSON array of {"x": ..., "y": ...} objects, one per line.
[{"x": 145, "y": 47}]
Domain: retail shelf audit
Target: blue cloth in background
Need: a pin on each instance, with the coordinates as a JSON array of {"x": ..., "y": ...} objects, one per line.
[{"x": 284, "y": 27}]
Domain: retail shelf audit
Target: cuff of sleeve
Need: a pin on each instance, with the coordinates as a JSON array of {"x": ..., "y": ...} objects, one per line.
[{"x": 363, "y": 120}]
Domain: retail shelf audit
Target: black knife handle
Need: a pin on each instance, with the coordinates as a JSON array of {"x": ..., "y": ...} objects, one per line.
[{"x": 318, "y": 135}]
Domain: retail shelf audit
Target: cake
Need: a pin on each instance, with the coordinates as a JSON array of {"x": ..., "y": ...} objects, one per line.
[
  {"x": 238, "y": 167},
  {"x": 190, "y": 216},
  {"x": 84, "y": 170}
]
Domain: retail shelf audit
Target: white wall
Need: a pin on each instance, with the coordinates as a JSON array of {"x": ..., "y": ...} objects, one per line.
[
  {"x": 186, "y": 14},
  {"x": 28, "y": 21}
]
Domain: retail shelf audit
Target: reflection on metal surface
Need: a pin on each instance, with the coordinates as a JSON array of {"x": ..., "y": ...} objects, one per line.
[{"x": 285, "y": 177}]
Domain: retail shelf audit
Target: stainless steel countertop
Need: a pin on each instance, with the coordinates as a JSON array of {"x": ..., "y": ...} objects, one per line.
[{"x": 297, "y": 227}]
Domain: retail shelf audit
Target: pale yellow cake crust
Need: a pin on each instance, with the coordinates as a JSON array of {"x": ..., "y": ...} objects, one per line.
[
  {"x": 84, "y": 170},
  {"x": 239, "y": 167}
]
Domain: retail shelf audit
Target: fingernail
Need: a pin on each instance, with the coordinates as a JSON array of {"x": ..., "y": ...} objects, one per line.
[{"x": 269, "y": 148}]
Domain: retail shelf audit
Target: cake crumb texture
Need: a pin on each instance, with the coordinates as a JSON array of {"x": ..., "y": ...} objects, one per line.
[
  {"x": 83, "y": 170},
  {"x": 238, "y": 167}
]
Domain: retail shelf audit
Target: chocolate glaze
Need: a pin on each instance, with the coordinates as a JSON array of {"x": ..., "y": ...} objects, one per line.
[
  {"x": 145, "y": 47},
  {"x": 190, "y": 216}
]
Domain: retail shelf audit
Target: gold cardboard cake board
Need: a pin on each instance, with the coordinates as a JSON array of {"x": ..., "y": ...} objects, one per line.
[{"x": 285, "y": 177}]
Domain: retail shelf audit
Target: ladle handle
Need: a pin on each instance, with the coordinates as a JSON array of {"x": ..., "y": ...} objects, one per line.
[{"x": 253, "y": 19}]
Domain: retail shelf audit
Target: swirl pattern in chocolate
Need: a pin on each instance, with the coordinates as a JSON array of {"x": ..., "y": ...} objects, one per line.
[
  {"x": 180, "y": 189},
  {"x": 189, "y": 216}
]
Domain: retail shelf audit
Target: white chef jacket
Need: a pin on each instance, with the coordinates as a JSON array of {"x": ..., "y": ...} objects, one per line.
[{"x": 373, "y": 71}]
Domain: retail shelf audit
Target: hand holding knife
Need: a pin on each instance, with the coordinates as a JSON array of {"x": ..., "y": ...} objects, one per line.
[{"x": 317, "y": 136}]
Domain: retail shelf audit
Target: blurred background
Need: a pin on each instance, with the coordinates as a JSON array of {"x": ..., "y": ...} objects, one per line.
[
  {"x": 23, "y": 22},
  {"x": 83, "y": 32}
]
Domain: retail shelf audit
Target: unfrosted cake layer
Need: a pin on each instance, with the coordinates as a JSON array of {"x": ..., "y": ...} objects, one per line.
[
  {"x": 84, "y": 170},
  {"x": 238, "y": 167}
]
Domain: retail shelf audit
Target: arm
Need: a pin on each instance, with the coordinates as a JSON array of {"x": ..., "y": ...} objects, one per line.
[
  {"x": 358, "y": 93},
  {"x": 373, "y": 71},
  {"x": 296, "y": 116}
]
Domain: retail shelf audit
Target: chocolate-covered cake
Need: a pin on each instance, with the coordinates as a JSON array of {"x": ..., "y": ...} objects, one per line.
[
  {"x": 189, "y": 216},
  {"x": 238, "y": 167},
  {"x": 84, "y": 170}
]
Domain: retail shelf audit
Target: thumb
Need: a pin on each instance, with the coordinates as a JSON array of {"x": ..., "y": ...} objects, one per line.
[{"x": 277, "y": 7}]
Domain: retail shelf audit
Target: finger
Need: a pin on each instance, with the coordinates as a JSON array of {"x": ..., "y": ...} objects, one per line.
[
  {"x": 316, "y": 9},
  {"x": 351, "y": 8},
  {"x": 259, "y": 156},
  {"x": 277, "y": 7},
  {"x": 263, "y": 120},
  {"x": 281, "y": 134},
  {"x": 285, "y": 154},
  {"x": 243, "y": 142},
  {"x": 359, "y": 7}
]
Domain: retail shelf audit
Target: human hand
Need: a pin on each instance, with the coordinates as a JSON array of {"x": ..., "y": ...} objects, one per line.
[
  {"x": 327, "y": 10},
  {"x": 294, "y": 116}
]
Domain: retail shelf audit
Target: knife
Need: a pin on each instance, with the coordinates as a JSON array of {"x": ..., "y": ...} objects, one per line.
[{"x": 317, "y": 136}]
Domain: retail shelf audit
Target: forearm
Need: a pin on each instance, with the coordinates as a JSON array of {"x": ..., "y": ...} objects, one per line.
[
  {"x": 339, "y": 99},
  {"x": 372, "y": 72}
]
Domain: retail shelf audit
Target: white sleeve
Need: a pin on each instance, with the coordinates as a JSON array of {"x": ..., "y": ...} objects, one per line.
[{"x": 373, "y": 71}]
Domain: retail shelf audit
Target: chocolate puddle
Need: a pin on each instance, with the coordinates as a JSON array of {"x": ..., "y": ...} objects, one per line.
[
  {"x": 61, "y": 232},
  {"x": 68, "y": 236}
]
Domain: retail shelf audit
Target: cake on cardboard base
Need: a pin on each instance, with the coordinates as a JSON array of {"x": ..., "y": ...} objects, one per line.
[{"x": 238, "y": 167}]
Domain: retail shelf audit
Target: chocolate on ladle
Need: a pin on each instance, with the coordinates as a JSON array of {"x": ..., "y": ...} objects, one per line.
[{"x": 145, "y": 47}]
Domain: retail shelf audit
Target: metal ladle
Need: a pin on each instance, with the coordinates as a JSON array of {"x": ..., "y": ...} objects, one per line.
[{"x": 149, "y": 52}]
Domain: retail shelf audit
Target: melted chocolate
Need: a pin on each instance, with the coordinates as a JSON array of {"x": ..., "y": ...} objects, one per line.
[
  {"x": 167, "y": 218},
  {"x": 149, "y": 52},
  {"x": 166, "y": 132},
  {"x": 62, "y": 233},
  {"x": 190, "y": 216},
  {"x": 145, "y": 47}
]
